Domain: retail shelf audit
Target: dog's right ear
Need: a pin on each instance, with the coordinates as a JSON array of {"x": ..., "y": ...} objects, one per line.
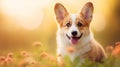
[
  {"x": 87, "y": 11},
  {"x": 60, "y": 12}
]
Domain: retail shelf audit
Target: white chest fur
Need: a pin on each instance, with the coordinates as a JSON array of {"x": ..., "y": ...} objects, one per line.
[{"x": 63, "y": 43}]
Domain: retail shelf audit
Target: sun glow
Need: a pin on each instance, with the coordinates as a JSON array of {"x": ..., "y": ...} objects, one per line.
[
  {"x": 98, "y": 23},
  {"x": 27, "y": 13}
]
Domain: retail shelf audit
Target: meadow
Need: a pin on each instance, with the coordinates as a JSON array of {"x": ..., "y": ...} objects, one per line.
[
  {"x": 28, "y": 32},
  {"x": 39, "y": 57}
]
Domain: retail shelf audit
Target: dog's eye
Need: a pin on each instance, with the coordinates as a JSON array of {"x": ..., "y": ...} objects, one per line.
[
  {"x": 68, "y": 24},
  {"x": 79, "y": 24}
]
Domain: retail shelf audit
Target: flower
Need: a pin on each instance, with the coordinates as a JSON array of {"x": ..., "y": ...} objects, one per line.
[
  {"x": 2, "y": 58},
  {"x": 9, "y": 60},
  {"x": 116, "y": 51},
  {"x": 70, "y": 49},
  {"x": 33, "y": 62},
  {"x": 37, "y": 44},
  {"x": 53, "y": 59},
  {"x": 22, "y": 63},
  {"x": 109, "y": 49},
  {"x": 10, "y": 55},
  {"x": 44, "y": 55},
  {"x": 25, "y": 53},
  {"x": 117, "y": 43}
]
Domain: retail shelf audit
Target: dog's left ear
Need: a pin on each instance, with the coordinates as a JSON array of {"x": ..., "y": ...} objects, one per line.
[
  {"x": 87, "y": 11},
  {"x": 60, "y": 12}
]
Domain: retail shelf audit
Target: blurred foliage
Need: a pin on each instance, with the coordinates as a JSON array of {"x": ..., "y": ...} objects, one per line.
[
  {"x": 16, "y": 39},
  {"x": 39, "y": 57}
]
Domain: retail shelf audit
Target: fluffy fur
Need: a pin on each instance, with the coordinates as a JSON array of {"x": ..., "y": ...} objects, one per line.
[{"x": 74, "y": 30}]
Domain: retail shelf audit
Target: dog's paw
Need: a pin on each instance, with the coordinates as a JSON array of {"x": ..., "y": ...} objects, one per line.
[{"x": 60, "y": 60}]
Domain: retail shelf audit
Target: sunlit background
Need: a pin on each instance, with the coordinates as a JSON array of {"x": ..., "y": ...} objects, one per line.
[{"x": 23, "y": 22}]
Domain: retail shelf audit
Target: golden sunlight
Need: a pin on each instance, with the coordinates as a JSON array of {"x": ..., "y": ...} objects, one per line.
[
  {"x": 98, "y": 23},
  {"x": 28, "y": 13}
]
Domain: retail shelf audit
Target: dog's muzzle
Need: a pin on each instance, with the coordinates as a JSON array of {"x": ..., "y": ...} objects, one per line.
[{"x": 74, "y": 39}]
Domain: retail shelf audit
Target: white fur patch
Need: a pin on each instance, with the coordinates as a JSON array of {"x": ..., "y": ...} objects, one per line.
[
  {"x": 63, "y": 42},
  {"x": 73, "y": 27}
]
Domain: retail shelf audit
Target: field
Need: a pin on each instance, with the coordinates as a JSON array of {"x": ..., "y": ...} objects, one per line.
[
  {"x": 39, "y": 57},
  {"x": 28, "y": 32}
]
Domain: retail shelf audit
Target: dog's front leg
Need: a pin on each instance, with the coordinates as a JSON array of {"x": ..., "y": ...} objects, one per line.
[{"x": 60, "y": 57}]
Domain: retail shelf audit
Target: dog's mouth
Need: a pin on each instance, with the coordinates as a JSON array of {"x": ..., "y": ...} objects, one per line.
[{"x": 74, "y": 39}]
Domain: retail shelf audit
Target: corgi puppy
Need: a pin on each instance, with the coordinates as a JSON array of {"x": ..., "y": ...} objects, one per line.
[{"x": 74, "y": 30}]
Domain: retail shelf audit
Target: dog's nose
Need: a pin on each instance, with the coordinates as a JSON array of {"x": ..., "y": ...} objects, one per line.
[{"x": 74, "y": 33}]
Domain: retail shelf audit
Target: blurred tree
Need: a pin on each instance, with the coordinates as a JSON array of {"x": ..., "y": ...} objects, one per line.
[{"x": 114, "y": 22}]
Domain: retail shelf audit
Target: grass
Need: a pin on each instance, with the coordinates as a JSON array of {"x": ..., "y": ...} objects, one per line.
[{"x": 38, "y": 57}]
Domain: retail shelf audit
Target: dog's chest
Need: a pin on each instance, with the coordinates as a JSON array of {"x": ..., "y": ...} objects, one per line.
[
  {"x": 77, "y": 52},
  {"x": 63, "y": 43}
]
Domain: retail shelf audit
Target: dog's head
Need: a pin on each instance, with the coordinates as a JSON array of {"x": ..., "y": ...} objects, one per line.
[{"x": 74, "y": 26}]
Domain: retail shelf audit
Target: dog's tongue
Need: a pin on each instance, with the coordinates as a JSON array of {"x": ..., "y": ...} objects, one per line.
[{"x": 74, "y": 41}]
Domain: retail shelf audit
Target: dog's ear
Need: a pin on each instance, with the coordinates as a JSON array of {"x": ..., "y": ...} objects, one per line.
[
  {"x": 60, "y": 12},
  {"x": 87, "y": 11}
]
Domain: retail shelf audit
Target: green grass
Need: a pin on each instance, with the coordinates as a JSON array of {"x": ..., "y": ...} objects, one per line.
[{"x": 39, "y": 57}]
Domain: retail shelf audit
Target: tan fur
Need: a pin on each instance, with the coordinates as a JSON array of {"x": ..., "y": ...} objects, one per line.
[
  {"x": 91, "y": 48},
  {"x": 96, "y": 53}
]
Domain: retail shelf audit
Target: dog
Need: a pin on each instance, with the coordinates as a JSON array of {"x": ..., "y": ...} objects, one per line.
[{"x": 74, "y": 30}]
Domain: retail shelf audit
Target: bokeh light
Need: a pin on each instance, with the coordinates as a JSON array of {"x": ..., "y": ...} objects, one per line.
[
  {"x": 98, "y": 22},
  {"x": 28, "y": 13},
  {"x": 23, "y": 22}
]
